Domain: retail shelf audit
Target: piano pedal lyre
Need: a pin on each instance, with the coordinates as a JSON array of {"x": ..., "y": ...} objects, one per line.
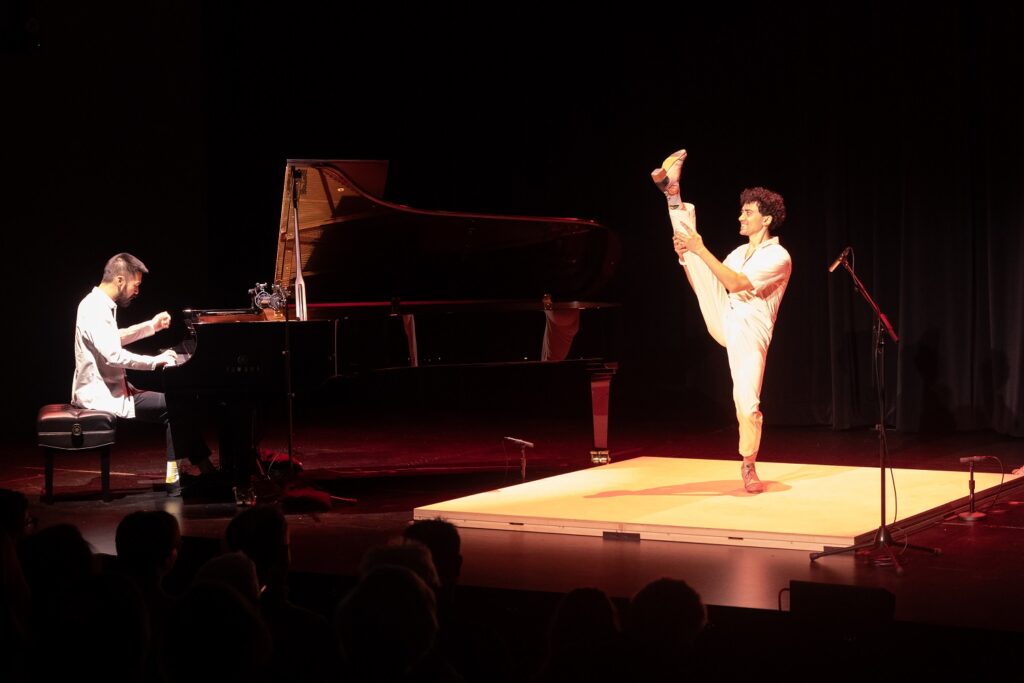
[{"x": 600, "y": 456}]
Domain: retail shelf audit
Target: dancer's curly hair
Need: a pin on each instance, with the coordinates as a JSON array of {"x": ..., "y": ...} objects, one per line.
[{"x": 768, "y": 203}]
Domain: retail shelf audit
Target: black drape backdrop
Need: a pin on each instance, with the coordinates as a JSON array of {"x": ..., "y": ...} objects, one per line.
[{"x": 163, "y": 130}]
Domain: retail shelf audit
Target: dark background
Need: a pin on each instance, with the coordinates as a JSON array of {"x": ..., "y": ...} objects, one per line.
[{"x": 162, "y": 129}]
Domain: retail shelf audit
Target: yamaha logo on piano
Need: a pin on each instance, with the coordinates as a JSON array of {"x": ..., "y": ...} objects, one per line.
[{"x": 244, "y": 366}]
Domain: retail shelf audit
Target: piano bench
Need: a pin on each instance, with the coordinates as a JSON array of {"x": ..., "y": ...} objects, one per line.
[{"x": 63, "y": 427}]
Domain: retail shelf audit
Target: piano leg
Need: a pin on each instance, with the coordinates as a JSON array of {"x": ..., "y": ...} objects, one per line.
[
  {"x": 409, "y": 324},
  {"x": 601, "y": 374}
]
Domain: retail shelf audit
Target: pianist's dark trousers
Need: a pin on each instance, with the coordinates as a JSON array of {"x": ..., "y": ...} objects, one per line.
[{"x": 182, "y": 420}]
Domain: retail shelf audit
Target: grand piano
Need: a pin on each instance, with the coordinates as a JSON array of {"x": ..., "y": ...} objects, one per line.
[{"x": 446, "y": 279}]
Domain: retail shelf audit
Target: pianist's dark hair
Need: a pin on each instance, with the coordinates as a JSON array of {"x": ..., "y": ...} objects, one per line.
[
  {"x": 123, "y": 264},
  {"x": 768, "y": 203}
]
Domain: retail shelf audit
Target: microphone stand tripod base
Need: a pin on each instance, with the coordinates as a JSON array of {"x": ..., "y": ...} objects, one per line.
[{"x": 972, "y": 516}]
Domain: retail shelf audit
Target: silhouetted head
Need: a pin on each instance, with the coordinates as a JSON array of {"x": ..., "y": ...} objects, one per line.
[
  {"x": 235, "y": 570},
  {"x": 387, "y": 624},
  {"x": 412, "y": 555},
  {"x": 585, "y": 619},
  {"x": 262, "y": 534},
  {"x": 148, "y": 542},
  {"x": 666, "y": 611},
  {"x": 54, "y": 559},
  {"x": 442, "y": 538}
]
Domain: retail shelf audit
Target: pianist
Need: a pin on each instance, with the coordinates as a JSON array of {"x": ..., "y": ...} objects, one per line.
[{"x": 101, "y": 359}]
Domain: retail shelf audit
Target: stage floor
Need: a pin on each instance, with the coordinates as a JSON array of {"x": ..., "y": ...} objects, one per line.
[
  {"x": 805, "y": 507},
  {"x": 394, "y": 471}
]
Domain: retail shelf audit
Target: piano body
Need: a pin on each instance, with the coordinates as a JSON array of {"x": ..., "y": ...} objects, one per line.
[{"x": 448, "y": 279}]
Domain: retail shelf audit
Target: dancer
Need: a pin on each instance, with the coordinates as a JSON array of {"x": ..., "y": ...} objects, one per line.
[{"x": 738, "y": 297}]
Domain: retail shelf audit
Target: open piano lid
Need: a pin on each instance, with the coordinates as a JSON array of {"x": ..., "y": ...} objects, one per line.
[{"x": 358, "y": 247}]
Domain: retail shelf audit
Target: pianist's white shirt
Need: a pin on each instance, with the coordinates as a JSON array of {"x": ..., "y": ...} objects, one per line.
[{"x": 100, "y": 360}]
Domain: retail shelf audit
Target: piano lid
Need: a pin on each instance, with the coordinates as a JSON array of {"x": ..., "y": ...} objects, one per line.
[{"x": 358, "y": 247}]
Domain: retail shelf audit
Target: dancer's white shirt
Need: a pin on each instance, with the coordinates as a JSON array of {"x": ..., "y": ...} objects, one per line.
[{"x": 768, "y": 268}]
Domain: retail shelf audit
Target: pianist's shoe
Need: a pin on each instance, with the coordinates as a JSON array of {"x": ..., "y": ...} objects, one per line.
[
  {"x": 172, "y": 481},
  {"x": 666, "y": 177}
]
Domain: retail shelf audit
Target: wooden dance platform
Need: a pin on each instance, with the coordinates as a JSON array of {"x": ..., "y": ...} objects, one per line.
[{"x": 805, "y": 507}]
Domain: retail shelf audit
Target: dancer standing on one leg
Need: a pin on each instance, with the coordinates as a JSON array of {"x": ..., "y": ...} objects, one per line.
[{"x": 739, "y": 297}]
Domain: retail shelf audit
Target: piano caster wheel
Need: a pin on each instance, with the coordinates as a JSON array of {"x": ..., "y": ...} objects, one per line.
[{"x": 600, "y": 457}]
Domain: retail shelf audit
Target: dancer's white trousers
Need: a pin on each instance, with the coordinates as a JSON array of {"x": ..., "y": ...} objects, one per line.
[{"x": 744, "y": 336}]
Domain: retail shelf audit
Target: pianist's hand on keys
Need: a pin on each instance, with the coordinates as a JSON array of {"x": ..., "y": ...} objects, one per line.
[{"x": 167, "y": 358}]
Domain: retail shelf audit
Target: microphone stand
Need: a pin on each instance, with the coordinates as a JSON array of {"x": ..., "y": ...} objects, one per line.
[
  {"x": 300, "y": 306},
  {"x": 972, "y": 515},
  {"x": 301, "y": 314},
  {"x": 523, "y": 445},
  {"x": 880, "y": 547}
]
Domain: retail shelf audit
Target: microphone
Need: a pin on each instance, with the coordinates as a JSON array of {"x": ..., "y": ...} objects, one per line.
[
  {"x": 519, "y": 442},
  {"x": 839, "y": 259},
  {"x": 973, "y": 458}
]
